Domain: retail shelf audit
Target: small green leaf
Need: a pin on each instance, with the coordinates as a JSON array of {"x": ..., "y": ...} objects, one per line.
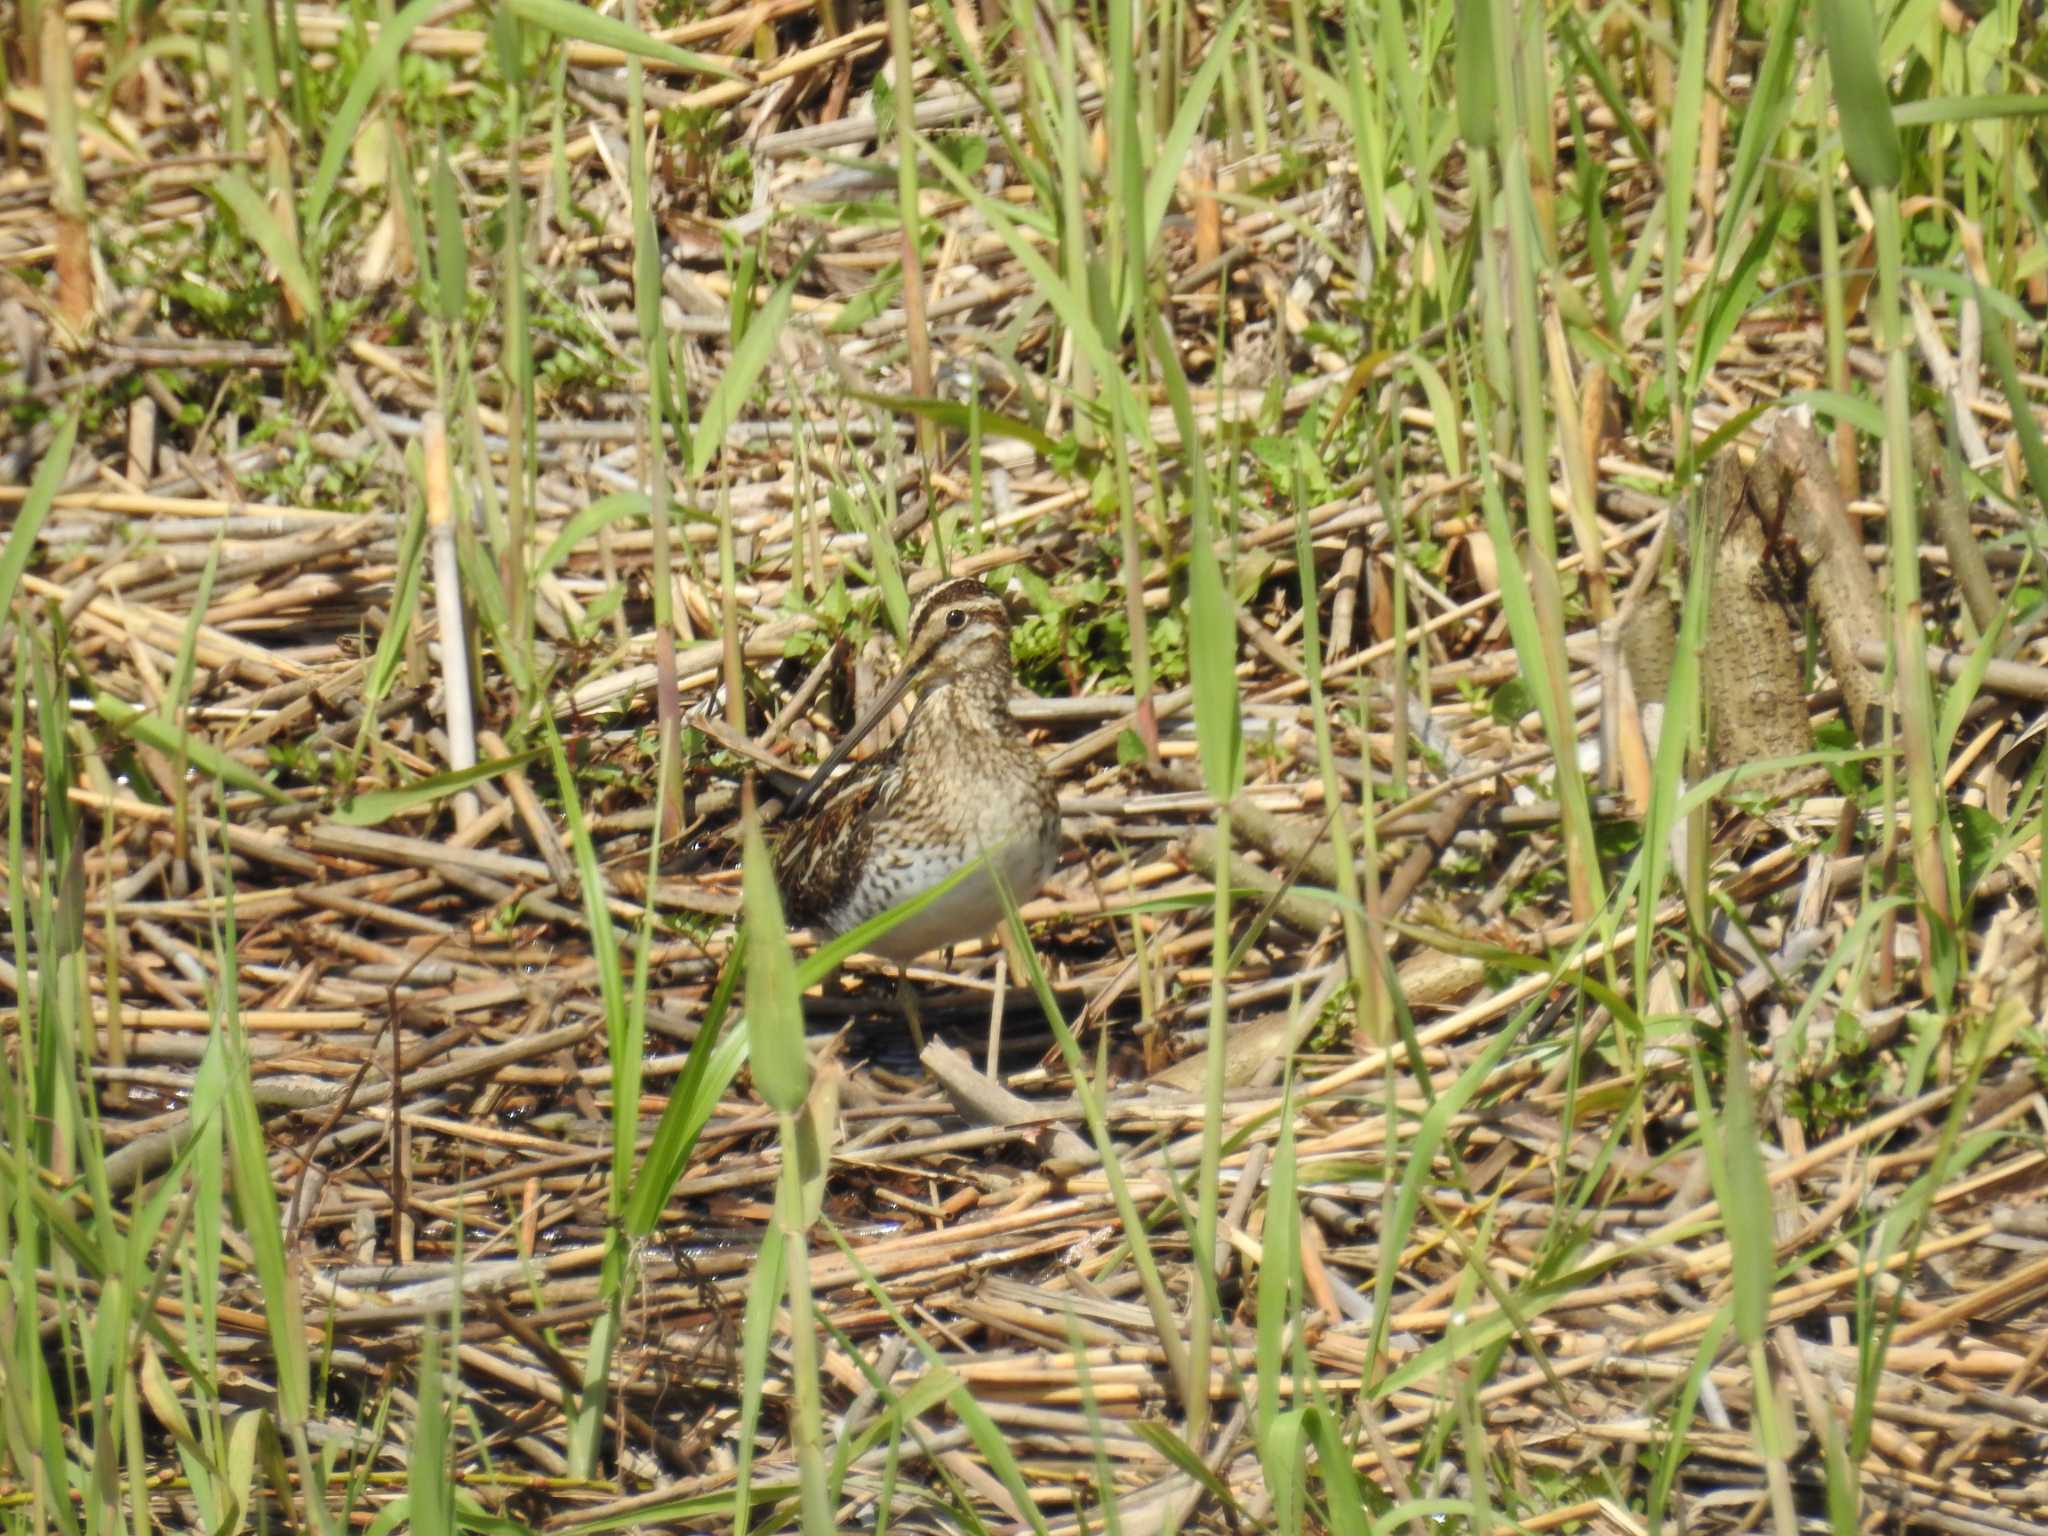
[
  {"x": 1836, "y": 737},
  {"x": 1511, "y": 701},
  {"x": 1979, "y": 833}
]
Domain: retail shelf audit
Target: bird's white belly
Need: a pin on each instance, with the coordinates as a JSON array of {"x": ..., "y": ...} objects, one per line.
[{"x": 969, "y": 910}]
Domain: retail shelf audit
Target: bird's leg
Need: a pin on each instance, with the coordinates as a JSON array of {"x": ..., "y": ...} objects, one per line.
[
  {"x": 995, "y": 1011},
  {"x": 906, "y": 999}
]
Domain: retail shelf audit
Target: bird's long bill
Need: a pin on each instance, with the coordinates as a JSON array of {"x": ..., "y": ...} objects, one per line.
[{"x": 877, "y": 712}]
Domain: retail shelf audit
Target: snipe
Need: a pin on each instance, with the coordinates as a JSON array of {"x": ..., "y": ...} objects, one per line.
[{"x": 959, "y": 785}]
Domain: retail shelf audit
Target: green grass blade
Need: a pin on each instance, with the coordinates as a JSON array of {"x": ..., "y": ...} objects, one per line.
[
  {"x": 1278, "y": 1306},
  {"x": 757, "y": 1332},
  {"x": 377, "y": 806},
  {"x": 1163, "y": 181},
  {"x": 28, "y": 520},
  {"x": 178, "y": 687},
  {"x": 270, "y": 234},
  {"x": 750, "y": 356},
  {"x": 1212, "y": 616},
  {"x": 379, "y": 66},
  {"x": 431, "y": 1490},
  {"x": 988, "y": 1436},
  {"x": 564, "y": 18},
  {"x": 148, "y": 727},
  {"x": 775, "y": 1018},
  {"x": 1870, "y": 135}
]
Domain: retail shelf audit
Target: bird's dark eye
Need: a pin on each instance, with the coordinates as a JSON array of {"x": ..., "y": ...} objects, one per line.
[{"x": 956, "y": 619}]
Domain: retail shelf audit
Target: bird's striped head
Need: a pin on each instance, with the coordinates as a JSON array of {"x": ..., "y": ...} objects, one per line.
[
  {"x": 957, "y": 626},
  {"x": 958, "y": 629}
]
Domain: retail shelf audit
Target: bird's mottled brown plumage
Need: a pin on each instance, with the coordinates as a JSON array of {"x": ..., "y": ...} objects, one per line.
[{"x": 960, "y": 784}]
